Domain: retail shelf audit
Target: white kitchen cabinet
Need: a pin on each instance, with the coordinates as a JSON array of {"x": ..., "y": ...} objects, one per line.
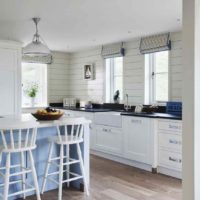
[
  {"x": 170, "y": 146},
  {"x": 109, "y": 139},
  {"x": 89, "y": 116},
  {"x": 10, "y": 78},
  {"x": 138, "y": 139}
]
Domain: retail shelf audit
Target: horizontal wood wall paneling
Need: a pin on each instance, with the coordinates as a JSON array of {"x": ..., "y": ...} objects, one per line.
[
  {"x": 58, "y": 77},
  {"x": 175, "y": 65},
  {"x": 66, "y": 73}
]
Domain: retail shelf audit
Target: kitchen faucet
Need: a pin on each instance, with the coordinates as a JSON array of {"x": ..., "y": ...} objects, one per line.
[{"x": 126, "y": 105}]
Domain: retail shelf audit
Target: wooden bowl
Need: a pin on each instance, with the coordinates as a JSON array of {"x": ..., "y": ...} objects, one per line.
[{"x": 47, "y": 117}]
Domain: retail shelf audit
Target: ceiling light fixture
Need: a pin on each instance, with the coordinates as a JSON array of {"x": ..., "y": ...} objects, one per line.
[{"x": 37, "y": 47}]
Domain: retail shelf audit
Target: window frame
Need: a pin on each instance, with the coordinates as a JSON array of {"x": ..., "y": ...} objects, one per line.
[
  {"x": 150, "y": 61},
  {"x": 109, "y": 98},
  {"x": 46, "y": 88}
]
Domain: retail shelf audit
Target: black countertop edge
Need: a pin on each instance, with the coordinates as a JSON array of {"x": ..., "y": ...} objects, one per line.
[
  {"x": 153, "y": 115},
  {"x": 85, "y": 109},
  {"x": 148, "y": 115}
]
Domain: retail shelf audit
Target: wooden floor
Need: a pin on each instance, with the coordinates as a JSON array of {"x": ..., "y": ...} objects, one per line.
[{"x": 114, "y": 181}]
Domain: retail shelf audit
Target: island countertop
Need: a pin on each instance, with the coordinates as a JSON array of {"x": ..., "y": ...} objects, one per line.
[{"x": 29, "y": 118}]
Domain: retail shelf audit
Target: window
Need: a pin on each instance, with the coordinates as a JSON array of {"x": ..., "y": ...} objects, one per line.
[
  {"x": 34, "y": 77},
  {"x": 157, "y": 85},
  {"x": 114, "y": 78}
]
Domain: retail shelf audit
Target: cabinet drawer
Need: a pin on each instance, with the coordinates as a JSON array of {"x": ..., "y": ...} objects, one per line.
[
  {"x": 172, "y": 126},
  {"x": 170, "y": 141},
  {"x": 170, "y": 160},
  {"x": 109, "y": 139}
]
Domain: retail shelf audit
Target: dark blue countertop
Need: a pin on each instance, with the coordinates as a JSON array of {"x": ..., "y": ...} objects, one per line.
[
  {"x": 153, "y": 115},
  {"x": 149, "y": 115},
  {"x": 86, "y": 109}
]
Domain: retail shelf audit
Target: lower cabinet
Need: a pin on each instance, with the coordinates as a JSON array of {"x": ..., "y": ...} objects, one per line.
[
  {"x": 89, "y": 116},
  {"x": 137, "y": 139},
  {"x": 170, "y": 147},
  {"x": 109, "y": 140}
]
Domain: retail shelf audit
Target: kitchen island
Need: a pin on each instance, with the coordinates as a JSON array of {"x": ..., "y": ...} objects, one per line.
[{"x": 46, "y": 129}]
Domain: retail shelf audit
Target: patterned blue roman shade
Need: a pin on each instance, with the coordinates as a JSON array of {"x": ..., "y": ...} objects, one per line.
[
  {"x": 155, "y": 43},
  {"x": 37, "y": 59},
  {"x": 112, "y": 50}
]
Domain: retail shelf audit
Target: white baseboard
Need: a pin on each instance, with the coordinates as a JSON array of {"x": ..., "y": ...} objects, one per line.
[
  {"x": 170, "y": 172},
  {"x": 122, "y": 160}
]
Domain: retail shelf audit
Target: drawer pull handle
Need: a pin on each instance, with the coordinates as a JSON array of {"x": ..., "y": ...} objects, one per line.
[
  {"x": 106, "y": 130},
  {"x": 174, "y": 142},
  {"x": 136, "y": 121},
  {"x": 175, "y": 160},
  {"x": 174, "y": 127}
]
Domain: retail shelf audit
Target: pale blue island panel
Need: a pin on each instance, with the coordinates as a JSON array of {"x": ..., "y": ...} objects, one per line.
[{"x": 40, "y": 157}]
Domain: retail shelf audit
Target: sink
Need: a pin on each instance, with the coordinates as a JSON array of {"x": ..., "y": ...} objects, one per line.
[{"x": 108, "y": 119}]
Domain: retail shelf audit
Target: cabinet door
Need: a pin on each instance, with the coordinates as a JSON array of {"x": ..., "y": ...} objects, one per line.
[
  {"x": 137, "y": 141},
  {"x": 9, "y": 96},
  {"x": 89, "y": 116},
  {"x": 109, "y": 139}
]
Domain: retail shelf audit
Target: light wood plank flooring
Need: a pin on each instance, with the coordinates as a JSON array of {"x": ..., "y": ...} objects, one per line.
[{"x": 114, "y": 181}]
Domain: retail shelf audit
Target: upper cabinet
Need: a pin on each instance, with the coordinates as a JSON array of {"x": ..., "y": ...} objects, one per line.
[{"x": 10, "y": 78}]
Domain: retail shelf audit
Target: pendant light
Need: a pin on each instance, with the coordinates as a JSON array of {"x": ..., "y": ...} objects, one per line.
[{"x": 37, "y": 48}]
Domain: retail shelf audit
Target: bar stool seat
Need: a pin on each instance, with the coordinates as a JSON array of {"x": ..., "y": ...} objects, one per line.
[
  {"x": 18, "y": 138},
  {"x": 69, "y": 132}
]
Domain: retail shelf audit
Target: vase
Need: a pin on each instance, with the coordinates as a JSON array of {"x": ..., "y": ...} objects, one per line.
[{"x": 32, "y": 101}]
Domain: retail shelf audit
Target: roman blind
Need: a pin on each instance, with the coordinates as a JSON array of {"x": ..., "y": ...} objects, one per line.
[
  {"x": 37, "y": 59},
  {"x": 112, "y": 50},
  {"x": 155, "y": 43}
]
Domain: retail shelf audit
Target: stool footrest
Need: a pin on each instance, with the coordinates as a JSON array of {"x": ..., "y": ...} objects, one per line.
[
  {"x": 12, "y": 166},
  {"x": 20, "y": 173},
  {"x": 72, "y": 179},
  {"x": 66, "y": 163}
]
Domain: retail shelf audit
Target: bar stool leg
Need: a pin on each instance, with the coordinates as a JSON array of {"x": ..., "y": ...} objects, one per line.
[
  {"x": 7, "y": 177},
  {"x": 47, "y": 167},
  {"x": 82, "y": 168},
  {"x": 68, "y": 167},
  {"x": 34, "y": 175},
  {"x": 23, "y": 175},
  {"x": 60, "y": 173}
]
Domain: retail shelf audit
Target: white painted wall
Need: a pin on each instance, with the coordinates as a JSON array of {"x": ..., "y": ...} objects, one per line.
[
  {"x": 133, "y": 72},
  {"x": 58, "y": 77}
]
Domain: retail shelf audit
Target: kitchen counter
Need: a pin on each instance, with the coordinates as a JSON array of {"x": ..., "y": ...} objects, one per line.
[
  {"x": 46, "y": 129},
  {"x": 153, "y": 115},
  {"x": 85, "y": 109},
  {"x": 28, "y": 118},
  {"x": 124, "y": 113}
]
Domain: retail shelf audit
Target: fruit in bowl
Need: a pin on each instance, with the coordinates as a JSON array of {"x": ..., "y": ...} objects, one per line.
[{"x": 48, "y": 114}]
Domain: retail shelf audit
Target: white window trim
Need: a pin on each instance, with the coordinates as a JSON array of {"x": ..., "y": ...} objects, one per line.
[
  {"x": 149, "y": 82},
  {"x": 25, "y": 108},
  {"x": 111, "y": 82}
]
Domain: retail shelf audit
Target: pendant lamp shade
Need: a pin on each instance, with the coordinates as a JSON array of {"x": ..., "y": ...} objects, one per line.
[{"x": 37, "y": 47}]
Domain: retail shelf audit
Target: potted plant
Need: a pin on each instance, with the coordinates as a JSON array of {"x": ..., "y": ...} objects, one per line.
[{"x": 31, "y": 91}]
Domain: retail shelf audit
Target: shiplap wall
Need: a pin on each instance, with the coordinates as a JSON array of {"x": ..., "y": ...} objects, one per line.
[
  {"x": 66, "y": 73},
  {"x": 86, "y": 89},
  {"x": 175, "y": 67},
  {"x": 58, "y": 77}
]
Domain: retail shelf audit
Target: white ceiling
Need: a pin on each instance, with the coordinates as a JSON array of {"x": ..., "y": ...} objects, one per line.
[{"x": 70, "y": 25}]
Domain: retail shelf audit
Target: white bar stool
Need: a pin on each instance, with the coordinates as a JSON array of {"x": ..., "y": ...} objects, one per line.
[
  {"x": 18, "y": 138},
  {"x": 70, "y": 131}
]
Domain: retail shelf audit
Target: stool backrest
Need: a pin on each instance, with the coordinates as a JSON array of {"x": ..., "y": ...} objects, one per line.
[
  {"x": 71, "y": 128},
  {"x": 18, "y": 135}
]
